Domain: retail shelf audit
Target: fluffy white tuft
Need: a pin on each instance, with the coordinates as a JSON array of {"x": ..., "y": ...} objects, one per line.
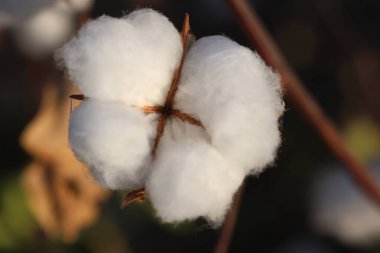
[
  {"x": 114, "y": 141},
  {"x": 189, "y": 178},
  {"x": 236, "y": 97},
  {"x": 130, "y": 60}
]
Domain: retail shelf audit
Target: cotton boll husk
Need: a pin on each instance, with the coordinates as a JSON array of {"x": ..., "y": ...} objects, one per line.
[
  {"x": 189, "y": 178},
  {"x": 45, "y": 31},
  {"x": 236, "y": 97},
  {"x": 341, "y": 210},
  {"x": 114, "y": 140},
  {"x": 131, "y": 60}
]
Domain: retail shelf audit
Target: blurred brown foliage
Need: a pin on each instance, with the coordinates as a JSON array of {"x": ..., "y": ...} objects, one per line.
[{"x": 61, "y": 193}]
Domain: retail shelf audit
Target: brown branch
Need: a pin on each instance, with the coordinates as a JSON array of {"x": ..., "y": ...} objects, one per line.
[
  {"x": 228, "y": 228},
  {"x": 301, "y": 99},
  {"x": 303, "y": 102}
]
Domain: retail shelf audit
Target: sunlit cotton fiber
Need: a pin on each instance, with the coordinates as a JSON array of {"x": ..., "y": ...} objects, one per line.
[
  {"x": 130, "y": 62},
  {"x": 129, "y": 59},
  {"x": 114, "y": 140},
  {"x": 236, "y": 97},
  {"x": 190, "y": 178}
]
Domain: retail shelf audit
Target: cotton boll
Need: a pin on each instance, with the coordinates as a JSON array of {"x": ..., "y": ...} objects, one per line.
[
  {"x": 189, "y": 178},
  {"x": 44, "y": 32},
  {"x": 130, "y": 60},
  {"x": 340, "y": 209},
  {"x": 114, "y": 140},
  {"x": 123, "y": 64},
  {"x": 236, "y": 97}
]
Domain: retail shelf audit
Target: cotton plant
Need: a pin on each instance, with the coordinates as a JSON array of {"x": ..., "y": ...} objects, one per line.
[
  {"x": 182, "y": 121},
  {"x": 41, "y": 26}
]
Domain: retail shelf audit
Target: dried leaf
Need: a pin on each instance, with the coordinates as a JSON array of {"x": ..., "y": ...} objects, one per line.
[{"x": 61, "y": 193}]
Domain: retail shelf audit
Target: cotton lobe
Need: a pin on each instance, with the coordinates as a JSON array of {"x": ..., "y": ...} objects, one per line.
[
  {"x": 97, "y": 131},
  {"x": 130, "y": 60},
  {"x": 122, "y": 65}
]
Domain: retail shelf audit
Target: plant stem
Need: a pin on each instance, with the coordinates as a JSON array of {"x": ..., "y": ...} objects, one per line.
[{"x": 227, "y": 231}]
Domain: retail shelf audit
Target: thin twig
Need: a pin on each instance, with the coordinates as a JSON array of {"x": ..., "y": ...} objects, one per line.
[
  {"x": 186, "y": 118},
  {"x": 136, "y": 195},
  {"x": 302, "y": 101},
  {"x": 227, "y": 231}
]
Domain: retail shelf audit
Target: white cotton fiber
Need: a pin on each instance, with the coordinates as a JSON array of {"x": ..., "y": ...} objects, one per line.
[
  {"x": 130, "y": 60},
  {"x": 341, "y": 210},
  {"x": 189, "y": 178},
  {"x": 114, "y": 140},
  {"x": 45, "y": 31},
  {"x": 236, "y": 97}
]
